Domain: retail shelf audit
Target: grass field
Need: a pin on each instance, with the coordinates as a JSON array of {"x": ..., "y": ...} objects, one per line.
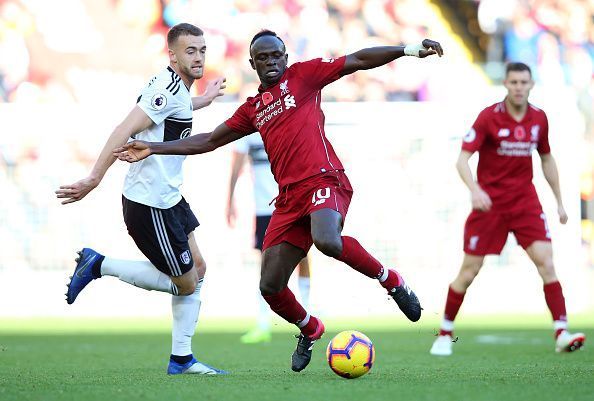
[{"x": 507, "y": 358}]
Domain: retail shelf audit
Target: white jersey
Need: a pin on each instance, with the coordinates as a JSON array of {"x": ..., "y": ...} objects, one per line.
[
  {"x": 155, "y": 181},
  {"x": 265, "y": 187}
]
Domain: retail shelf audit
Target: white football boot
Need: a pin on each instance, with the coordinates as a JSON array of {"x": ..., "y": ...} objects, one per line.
[
  {"x": 567, "y": 342},
  {"x": 442, "y": 346}
]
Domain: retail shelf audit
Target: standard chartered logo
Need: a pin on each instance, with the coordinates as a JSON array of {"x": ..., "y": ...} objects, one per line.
[{"x": 274, "y": 109}]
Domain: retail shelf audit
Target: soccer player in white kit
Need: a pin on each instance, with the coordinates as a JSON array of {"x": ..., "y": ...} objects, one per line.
[
  {"x": 157, "y": 216},
  {"x": 265, "y": 190}
]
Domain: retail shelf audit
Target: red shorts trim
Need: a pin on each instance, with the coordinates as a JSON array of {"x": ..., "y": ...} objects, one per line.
[
  {"x": 485, "y": 233},
  {"x": 290, "y": 220}
]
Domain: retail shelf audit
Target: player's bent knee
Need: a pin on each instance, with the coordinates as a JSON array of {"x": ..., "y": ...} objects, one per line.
[
  {"x": 186, "y": 289},
  {"x": 187, "y": 285},
  {"x": 268, "y": 287},
  {"x": 329, "y": 246}
]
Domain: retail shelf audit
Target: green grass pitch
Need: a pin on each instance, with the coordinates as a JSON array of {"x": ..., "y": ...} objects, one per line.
[{"x": 508, "y": 358}]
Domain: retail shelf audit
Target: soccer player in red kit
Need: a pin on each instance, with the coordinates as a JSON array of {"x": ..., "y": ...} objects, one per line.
[
  {"x": 314, "y": 192},
  {"x": 504, "y": 200}
]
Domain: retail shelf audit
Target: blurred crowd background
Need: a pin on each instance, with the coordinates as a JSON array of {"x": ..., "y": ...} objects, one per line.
[{"x": 95, "y": 55}]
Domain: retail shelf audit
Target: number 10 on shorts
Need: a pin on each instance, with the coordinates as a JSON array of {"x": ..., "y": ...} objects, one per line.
[{"x": 320, "y": 196}]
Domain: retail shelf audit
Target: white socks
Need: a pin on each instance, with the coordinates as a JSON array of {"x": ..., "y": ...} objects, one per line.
[
  {"x": 141, "y": 274},
  {"x": 263, "y": 320},
  {"x": 185, "y": 318},
  {"x": 304, "y": 291}
]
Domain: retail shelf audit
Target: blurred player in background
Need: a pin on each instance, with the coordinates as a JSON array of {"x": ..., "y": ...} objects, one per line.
[
  {"x": 265, "y": 189},
  {"x": 504, "y": 200},
  {"x": 157, "y": 216},
  {"x": 314, "y": 192}
]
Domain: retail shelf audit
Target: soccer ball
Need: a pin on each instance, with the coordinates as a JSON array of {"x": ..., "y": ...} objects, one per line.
[{"x": 350, "y": 354}]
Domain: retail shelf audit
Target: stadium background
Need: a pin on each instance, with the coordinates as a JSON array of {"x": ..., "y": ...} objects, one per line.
[{"x": 66, "y": 81}]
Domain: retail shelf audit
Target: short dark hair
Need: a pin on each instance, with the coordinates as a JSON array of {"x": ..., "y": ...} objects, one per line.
[
  {"x": 182, "y": 29},
  {"x": 516, "y": 66},
  {"x": 265, "y": 32}
]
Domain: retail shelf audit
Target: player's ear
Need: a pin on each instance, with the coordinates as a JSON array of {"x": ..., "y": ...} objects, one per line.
[
  {"x": 287, "y": 58},
  {"x": 252, "y": 64},
  {"x": 172, "y": 56}
]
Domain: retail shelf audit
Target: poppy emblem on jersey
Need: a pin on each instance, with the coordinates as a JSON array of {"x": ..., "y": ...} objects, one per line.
[
  {"x": 185, "y": 257},
  {"x": 159, "y": 101},
  {"x": 185, "y": 133},
  {"x": 519, "y": 133},
  {"x": 266, "y": 98}
]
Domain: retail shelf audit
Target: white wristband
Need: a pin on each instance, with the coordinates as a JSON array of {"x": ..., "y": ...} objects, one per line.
[{"x": 413, "y": 50}]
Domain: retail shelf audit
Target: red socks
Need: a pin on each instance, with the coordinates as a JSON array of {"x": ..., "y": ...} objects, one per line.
[
  {"x": 286, "y": 306},
  {"x": 453, "y": 303},
  {"x": 354, "y": 255},
  {"x": 556, "y": 303}
]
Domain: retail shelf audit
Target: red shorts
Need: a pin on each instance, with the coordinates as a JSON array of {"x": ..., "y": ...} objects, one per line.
[
  {"x": 486, "y": 232},
  {"x": 290, "y": 220}
]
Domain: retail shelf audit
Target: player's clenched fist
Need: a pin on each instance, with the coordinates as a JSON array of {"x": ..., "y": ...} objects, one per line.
[{"x": 133, "y": 151}]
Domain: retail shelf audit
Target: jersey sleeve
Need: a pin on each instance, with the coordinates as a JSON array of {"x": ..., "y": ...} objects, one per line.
[
  {"x": 240, "y": 121},
  {"x": 159, "y": 103},
  {"x": 543, "y": 138},
  {"x": 242, "y": 145},
  {"x": 321, "y": 71},
  {"x": 474, "y": 138}
]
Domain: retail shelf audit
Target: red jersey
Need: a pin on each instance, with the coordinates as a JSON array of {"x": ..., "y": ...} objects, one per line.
[
  {"x": 505, "y": 154},
  {"x": 291, "y": 122}
]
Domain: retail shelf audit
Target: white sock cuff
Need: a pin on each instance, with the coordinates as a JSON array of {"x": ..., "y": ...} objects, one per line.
[
  {"x": 447, "y": 325},
  {"x": 560, "y": 325},
  {"x": 304, "y": 322},
  {"x": 384, "y": 275}
]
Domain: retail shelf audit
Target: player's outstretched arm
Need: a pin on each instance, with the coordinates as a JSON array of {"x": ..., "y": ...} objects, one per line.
[
  {"x": 551, "y": 173},
  {"x": 135, "y": 122},
  {"x": 196, "y": 144},
  {"x": 373, "y": 57},
  {"x": 214, "y": 89}
]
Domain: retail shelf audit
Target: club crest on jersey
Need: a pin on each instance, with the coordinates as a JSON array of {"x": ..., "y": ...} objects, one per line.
[
  {"x": 266, "y": 98},
  {"x": 519, "y": 133},
  {"x": 158, "y": 101},
  {"x": 534, "y": 133},
  {"x": 284, "y": 87},
  {"x": 185, "y": 257}
]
